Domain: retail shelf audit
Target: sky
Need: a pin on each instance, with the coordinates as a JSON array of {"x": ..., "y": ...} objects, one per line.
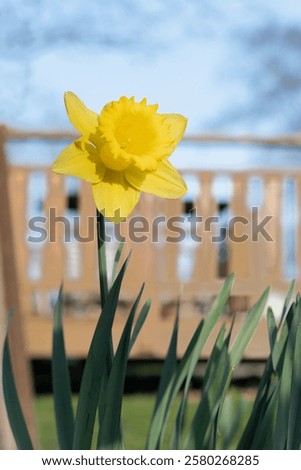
[
  {"x": 193, "y": 58},
  {"x": 189, "y": 65}
]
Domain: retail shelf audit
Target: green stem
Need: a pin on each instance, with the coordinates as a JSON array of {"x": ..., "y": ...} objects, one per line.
[
  {"x": 104, "y": 290},
  {"x": 102, "y": 262},
  {"x": 103, "y": 273}
]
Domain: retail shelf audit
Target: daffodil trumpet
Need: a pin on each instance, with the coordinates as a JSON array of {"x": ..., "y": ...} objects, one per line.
[{"x": 122, "y": 152}]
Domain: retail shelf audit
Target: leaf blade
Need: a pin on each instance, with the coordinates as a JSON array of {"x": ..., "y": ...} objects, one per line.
[
  {"x": 94, "y": 367},
  {"x": 109, "y": 433},
  {"x": 61, "y": 382},
  {"x": 12, "y": 403}
]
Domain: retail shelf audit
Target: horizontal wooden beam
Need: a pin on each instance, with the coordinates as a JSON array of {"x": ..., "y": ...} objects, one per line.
[{"x": 286, "y": 140}]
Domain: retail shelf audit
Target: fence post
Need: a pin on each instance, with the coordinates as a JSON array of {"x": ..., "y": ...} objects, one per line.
[{"x": 9, "y": 298}]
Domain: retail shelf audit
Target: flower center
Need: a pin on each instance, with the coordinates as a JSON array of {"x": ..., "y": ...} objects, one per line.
[
  {"x": 131, "y": 132},
  {"x": 135, "y": 133}
]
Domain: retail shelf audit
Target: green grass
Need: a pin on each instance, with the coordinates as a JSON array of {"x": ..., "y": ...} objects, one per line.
[
  {"x": 136, "y": 416},
  {"x": 44, "y": 413}
]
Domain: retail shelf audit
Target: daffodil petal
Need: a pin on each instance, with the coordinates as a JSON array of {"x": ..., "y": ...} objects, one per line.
[
  {"x": 177, "y": 125},
  {"x": 82, "y": 118},
  {"x": 80, "y": 159},
  {"x": 164, "y": 182},
  {"x": 114, "y": 197}
]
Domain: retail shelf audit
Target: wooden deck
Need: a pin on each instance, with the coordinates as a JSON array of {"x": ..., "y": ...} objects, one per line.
[{"x": 193, "y": 269}]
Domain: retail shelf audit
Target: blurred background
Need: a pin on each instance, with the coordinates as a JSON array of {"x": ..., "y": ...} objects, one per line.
[
  {"x": 230, "y": 67},
  {"x": 233, "y": 68}
]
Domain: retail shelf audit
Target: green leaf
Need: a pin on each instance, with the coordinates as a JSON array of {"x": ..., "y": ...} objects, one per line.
[
  {"x": 175, "y": 442},
  {"x": 163, "y": 398},
  {"x": 272, "y": 328},
  {"x": 233, "y": 413},
  {"x": 288, "y": 319},
  {"x": 213, "y": 361},
  {"x": 216, "y": 367},
  {"x": 241, "y": 341},
  {"x": 266, "y": 388},
  {"x": 94, "y": 368},
  {"x": 247, "y": 330},
  {"x": 61, "y": 382},
  {"x": 263, "y": 413},
  {"x": 202, "y": 432},
  {"x": 230, "y": 333},
  {"x": 263, "y": 431},
  {"x": 265, "y": 391},
  {"x": 278, "y": 351},
  {"x": 259, "y": 431},
  {"x": 184, "y": 374},
  {"x": 287, "y": 301},
  {"x": 117, "y": 258},
  {"x": 178, "y": 427},
  {"x": 12, "y": 403},
  {"x": 294, "y": 423},
  {"x": 217, "y": 307},
  {"x": 109, "y": 433},
  {"x": 282, "y": 421},
  {"x": 140, "y": 321},
  {"x": 201, "y": 335},
  {"x": 103, "y": 282},
  {"x": 192, "y": 354}
]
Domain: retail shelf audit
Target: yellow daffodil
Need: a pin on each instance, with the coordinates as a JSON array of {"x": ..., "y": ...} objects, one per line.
[{"x": 123, "y": 151}]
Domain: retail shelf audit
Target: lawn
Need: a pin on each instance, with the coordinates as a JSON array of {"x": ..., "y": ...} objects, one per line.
[{"x": 136, "y": 415}]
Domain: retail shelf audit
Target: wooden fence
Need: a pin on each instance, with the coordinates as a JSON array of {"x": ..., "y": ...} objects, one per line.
[{"x": 173, "y": 250}]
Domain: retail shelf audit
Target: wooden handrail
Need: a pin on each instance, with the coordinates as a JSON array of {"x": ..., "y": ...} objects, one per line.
[
  {"x": 291, "y": 140},
  {"x": 286, "y": 140}
]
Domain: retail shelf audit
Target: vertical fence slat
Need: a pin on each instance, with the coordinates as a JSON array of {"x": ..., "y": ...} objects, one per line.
[
  {"x": 273, "y": 259},
  {"x": 206, "y": 260},
  {"x": 88, "y": 247},
  {"x": 53, "y": 259},
  {"x": 168, "y": 254},
  {"x": 18, "y": 177},
  {"x": 240, "y": 244}
]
